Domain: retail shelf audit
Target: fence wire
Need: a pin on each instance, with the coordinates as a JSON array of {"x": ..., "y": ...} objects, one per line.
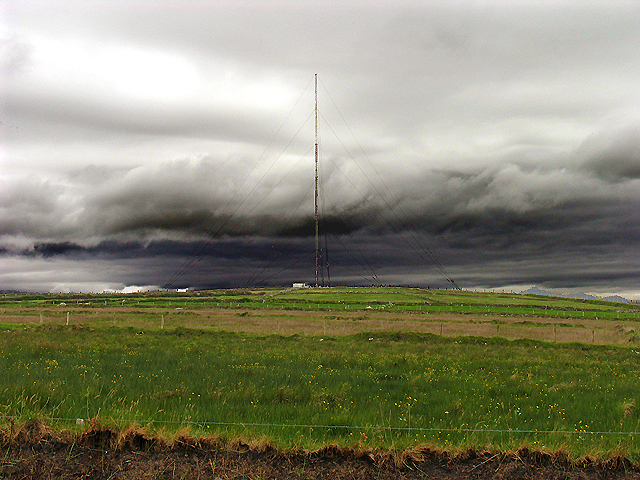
[{"x": 346, "y": 427}]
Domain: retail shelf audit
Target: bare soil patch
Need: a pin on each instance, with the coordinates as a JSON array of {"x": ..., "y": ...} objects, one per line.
[{"x": 33, "y": 451}]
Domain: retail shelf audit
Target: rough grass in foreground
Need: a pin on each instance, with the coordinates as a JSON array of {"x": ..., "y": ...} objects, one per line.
[{"x": 373, "y": 390}]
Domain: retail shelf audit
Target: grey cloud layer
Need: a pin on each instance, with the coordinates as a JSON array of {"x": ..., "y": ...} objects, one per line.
[
  {"x": 508, "y": 137},
  {"x": 198, "y": 196},
  {"x": 460, "y": 66}
]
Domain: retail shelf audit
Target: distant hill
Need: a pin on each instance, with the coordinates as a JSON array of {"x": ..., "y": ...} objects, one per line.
[
  {"x": 579, "y": 296},
  {"x": 616, "y": 298},
  {"x": 537, "y": 291}
]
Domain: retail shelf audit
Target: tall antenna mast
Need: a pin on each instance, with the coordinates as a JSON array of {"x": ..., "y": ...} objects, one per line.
[{"x": 316, "y": 181}]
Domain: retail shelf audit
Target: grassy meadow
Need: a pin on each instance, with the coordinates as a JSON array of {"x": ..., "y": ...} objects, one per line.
[{"x": 362, "y": 367}]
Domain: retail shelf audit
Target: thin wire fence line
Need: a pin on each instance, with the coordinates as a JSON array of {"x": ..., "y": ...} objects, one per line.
[
  {"x": 352, "y": 427},
  {"x": 200, "y": 252},
  {"x": 422, "y": 247}
]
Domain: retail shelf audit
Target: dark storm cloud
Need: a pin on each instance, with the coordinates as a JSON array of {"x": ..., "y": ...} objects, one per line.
[
  {"x": 613, "y": 155},
  {"x": 193, "y": 196},
  {"x": 34, "y": 207},
  {"x": 206, "y": 196},
  {"x": 492, "y": 218}
]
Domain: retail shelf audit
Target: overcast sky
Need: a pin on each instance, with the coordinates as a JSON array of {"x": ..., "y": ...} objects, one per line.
[{"x": 493, "y": 143}]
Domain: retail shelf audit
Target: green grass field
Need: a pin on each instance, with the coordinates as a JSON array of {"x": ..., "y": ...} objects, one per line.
[
  {"x": 376, "y": 388},
  {"x": 394, "y": 299}
]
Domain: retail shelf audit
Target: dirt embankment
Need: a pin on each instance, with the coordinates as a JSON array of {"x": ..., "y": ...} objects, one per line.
[{"x": 33, "y": 451}]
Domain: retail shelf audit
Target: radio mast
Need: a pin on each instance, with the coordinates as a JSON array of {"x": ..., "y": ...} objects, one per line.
[{"x": 316, "y": 183}]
